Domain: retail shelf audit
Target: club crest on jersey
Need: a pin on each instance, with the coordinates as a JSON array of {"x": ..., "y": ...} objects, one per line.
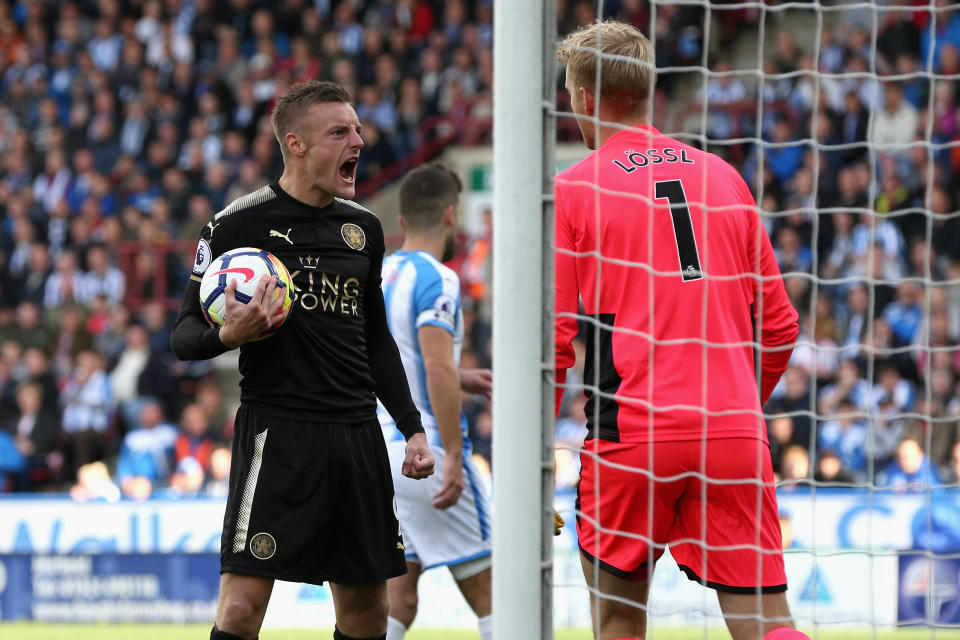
[
  {"x": 203, "y": 258},
  {"x": 353, "y": 236},
  {"x": 263, "y": 546}
]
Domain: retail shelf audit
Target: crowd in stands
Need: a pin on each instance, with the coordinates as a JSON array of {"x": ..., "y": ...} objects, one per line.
[
  {"x": 872, "y": 392},
  {"x": 125, "y": 125}
]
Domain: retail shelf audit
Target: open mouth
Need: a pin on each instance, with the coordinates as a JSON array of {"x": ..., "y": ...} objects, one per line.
[{"x": 348, "y": 170}]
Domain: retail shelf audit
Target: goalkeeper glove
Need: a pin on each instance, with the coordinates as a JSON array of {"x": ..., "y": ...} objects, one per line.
[{"x": 557, "y": 523}]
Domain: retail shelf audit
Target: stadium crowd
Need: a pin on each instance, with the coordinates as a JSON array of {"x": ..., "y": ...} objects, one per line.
[{"x": 125, "y": 125}]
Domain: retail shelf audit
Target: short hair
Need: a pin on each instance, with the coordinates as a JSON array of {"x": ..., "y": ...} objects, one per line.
[
  {"x": 294, "y": 103},
  {"x": 626, "y": 61},
  {"x": 426, "y": 193}
]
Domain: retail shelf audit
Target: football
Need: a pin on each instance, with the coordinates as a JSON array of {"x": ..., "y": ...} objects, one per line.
[{"x": 244, "y": 265}]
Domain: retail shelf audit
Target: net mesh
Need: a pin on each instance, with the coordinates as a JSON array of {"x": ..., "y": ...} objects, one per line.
[{"x": 843, "y": 119}]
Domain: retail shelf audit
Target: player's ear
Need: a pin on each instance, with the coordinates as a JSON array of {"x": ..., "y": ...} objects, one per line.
[
  {"x": 403, "y": 226},
  {"x": 449, "y": 216},
  {"x": 589, "y": 102},
  {"x": 295, "y": 144}
]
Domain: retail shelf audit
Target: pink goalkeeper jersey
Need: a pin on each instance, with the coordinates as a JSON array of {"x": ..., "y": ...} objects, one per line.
[{"x": 670, "y": 251}]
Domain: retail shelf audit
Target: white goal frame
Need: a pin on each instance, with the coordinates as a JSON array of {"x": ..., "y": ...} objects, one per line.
[{"x": 523, "y": 421}]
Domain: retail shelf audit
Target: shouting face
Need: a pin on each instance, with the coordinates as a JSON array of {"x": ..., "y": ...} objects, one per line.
[{"x": 331, "y": 146}]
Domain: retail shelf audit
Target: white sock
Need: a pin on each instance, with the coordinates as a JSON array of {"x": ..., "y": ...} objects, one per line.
[
  {"x": 486, "y": 627},
  {"x": 395, "y": 629}
]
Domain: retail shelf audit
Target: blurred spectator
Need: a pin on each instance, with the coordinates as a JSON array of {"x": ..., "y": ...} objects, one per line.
[
  {"x": 895, "y": 125},
  {"x": 36, "y": 370},
  {"x": 830, "y": 470},
  {"x": 87, "y": 405},
  {"x": 93, "y": 483},
  {"x": 793, "y": 396},
  {"x": 952, "y": 472},
  {"x": 50, "y": 187},
  {"x": 853, "y": 127},
  {"x": 892, "y": 395},
  {"x": 481, "y": 435},
  {"x": 194, "y": 440},
  {"x": 905, "y": 315},
  {"x": 795, "y": 467},
  {"x": 65, "y": 283},
  {"x": 70, "y": 339},
  {"x": 780, "y": 432},
  {"x": 100, "y": 279},
  {"x": 911, "y": 471},
  {"x": 210, "y": 399},
  {"x": 846, "y": 436},
  {"x": 785, "y": 156},
  {"x": 882, "y": 353},
  {"x": 218, "y": 480},
  {"x": 853, "y": 321},
  {"x": 30, "y": 329},
  {"x": 878, "y": 247},
  {"x": 147, "y": 454},
  {"x": 125, "y": 375},
  {"x": 188, "y": 478},
  {"x": 849, "y": 388},
  {"x": 817, "y": 352},
  {"x": 35, "y": 433}
]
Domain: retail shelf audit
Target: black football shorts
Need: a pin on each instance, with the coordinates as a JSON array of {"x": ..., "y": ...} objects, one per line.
[{"x": 310, "y": 502}]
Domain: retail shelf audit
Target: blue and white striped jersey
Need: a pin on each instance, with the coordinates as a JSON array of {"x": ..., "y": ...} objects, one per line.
[{"x": 418, "y": 290}]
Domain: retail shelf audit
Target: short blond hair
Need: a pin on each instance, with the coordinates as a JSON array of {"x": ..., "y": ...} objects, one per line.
[{"x": 626, "y": 60}]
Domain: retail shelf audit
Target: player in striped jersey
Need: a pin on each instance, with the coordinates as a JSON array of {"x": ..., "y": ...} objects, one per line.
[{"x": 445, "y": 521}]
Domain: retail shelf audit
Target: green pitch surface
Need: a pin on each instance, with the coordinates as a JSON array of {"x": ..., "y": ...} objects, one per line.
[{"x": 29, "y": 631}]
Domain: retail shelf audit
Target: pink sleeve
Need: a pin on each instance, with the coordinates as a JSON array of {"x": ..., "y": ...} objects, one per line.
[
  {"x": 567, "y": 294},
  {"x": 773, "y": 313}
]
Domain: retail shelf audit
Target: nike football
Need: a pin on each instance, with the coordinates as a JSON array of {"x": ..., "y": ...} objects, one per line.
[{"x": 244, "y": 265}]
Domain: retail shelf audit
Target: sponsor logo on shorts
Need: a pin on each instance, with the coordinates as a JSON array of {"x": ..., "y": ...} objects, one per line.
[
  {"x": 353, "y": 236},
  {"x": 263, "y": 546}
]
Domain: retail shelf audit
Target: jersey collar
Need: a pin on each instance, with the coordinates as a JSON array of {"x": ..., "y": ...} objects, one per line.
[
  {"x": 275, "y": 185},
  {"x": 647, "y": 130}
]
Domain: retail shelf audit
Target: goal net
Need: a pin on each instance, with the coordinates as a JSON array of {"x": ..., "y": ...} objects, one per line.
[{"x": 843, "y": 118}]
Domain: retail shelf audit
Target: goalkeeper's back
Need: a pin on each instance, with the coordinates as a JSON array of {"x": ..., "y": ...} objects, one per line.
[{"x": 663, "y": 243}]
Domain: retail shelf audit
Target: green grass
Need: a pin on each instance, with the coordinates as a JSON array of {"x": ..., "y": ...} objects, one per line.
[{"x": 31, "y": 631}]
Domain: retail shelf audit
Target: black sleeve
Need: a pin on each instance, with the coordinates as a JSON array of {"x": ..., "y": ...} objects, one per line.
[
  {"x": 193, "y": 338},
  {"x": 386, "y": 367}
]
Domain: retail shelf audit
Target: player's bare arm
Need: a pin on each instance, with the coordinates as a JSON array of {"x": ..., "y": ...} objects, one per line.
[
  {"x": 443, "y": 387},
  {"x": 477, "y": 381},
  {"x": 245, "y": 322}
]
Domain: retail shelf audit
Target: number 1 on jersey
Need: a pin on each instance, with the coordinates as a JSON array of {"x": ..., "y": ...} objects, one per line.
[{"x": 672, "y": 190}]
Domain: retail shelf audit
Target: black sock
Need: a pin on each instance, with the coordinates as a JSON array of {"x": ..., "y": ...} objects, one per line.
[
  {"x": 216, "y": 634},
  {"x": 339, "y": 635}
]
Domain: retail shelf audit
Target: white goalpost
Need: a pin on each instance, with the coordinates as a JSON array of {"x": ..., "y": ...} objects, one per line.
[
  {"x": 522, "y": 335},
  {"x": 867, "y": 554}
]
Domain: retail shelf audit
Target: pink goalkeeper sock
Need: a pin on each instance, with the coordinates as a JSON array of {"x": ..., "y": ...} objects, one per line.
[{"x": 785, "y": 633}]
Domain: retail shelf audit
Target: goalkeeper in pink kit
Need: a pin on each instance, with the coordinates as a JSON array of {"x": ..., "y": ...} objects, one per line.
[{"x": 664, "y": 246}]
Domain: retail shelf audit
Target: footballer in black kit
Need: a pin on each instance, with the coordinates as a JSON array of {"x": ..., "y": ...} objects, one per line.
[{"x": 311, "y": 495}]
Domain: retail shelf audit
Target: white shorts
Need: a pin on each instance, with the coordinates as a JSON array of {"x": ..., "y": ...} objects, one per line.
[{"x": 441, "y": 537}]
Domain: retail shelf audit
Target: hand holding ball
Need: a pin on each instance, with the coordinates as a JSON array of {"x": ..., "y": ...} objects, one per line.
[{"x": 248, "y": 293}]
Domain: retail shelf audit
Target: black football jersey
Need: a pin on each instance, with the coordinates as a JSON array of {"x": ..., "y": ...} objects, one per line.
[{"x": 316, "y": 366}]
